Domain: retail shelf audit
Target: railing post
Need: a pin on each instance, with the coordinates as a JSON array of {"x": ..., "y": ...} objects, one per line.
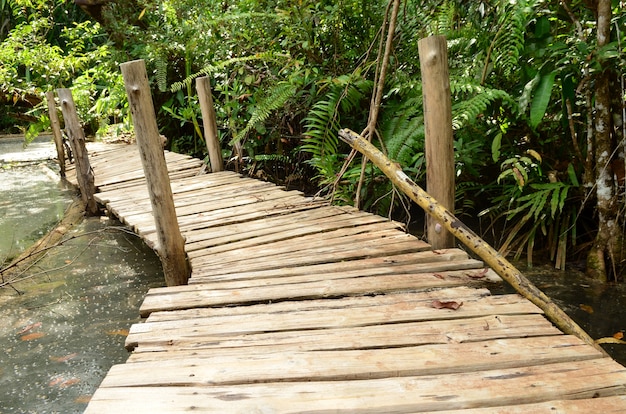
[
  {"x": 438, "y": 127},
  {"x": 56, "y": 131},
  {"x": 171, "y": 247},
  {"x": 76, "y": 135},
  {"x": 203, "y": 85}
]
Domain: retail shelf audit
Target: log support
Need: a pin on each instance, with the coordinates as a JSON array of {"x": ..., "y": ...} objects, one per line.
[
  {"x": 56, "y": 131},
  {"x": 171, "y": 244},
  {"x": 438, "y": 128},
  {"x": 203, "y": 85},
  {"x": 76, "y": 135}
]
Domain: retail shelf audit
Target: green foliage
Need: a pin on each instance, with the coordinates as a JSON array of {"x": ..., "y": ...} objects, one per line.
[
  {"x": 345, "y": 96},
  {"x": 473, "y": 100},
  {"x": 276, "y": 99},
  {"x": 286, "y": 76}
]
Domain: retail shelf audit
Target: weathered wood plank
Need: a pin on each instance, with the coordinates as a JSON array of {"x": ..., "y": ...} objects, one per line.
[
  {"x": 193, "y": 296},
  {"x": 377, "y": 312},
  {"x": 342, "y": 365},
  {"x": 322, "y": 250},
  {"x": 423, "y": 262},
  {"x": 501, "y": 387},
  {"x": 606, "y": 405},
  {"x": 502, "y": 304},
  {"x": 294, "y": 241},
  {"x": 382, "y": 265},
  {"x": 277, "y": 229},
  {"x": 385, "y": 334}
]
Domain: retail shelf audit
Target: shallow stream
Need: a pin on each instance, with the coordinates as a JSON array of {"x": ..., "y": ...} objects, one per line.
[{"x": 64, "y": 325}]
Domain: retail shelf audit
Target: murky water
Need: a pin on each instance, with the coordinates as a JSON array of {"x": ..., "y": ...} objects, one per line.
[
  {"x": 67, "y": 326},
  {"x": 64, "y": 324},
  {"x": 597, "y": 307},
  {"x": 32, "y": 201}
]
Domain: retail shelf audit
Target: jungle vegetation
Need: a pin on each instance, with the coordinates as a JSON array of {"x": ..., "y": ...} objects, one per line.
[{"x": 537, "y": 91}]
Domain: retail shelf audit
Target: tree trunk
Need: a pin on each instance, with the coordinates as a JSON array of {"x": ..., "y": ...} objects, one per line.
[{"x": 604, "y": 261}]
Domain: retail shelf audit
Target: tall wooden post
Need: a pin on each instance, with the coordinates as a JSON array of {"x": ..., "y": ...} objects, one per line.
[
  {"x": 56, "y": 131},
  {"x": 438, "y": 127},
  {"x": 76, "y": 135},
  {"x": 203, "y": 85},
  {"x": 171, "y": 247}
]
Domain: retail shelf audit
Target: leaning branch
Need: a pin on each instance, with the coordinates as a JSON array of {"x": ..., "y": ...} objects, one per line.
[{"x": 470, "y": 239}]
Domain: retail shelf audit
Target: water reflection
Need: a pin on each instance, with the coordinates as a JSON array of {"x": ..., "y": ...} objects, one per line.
[{"x": 67, "y": 328}]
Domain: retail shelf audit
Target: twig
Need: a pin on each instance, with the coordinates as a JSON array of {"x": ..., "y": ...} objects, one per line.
[{"x": 378, "y": 90}]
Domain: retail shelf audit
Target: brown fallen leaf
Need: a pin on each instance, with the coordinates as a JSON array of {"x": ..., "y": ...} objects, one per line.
[
  {"x": 618, "y": 335},
  {"x": 609, "y": 340},
  {"x": 120, "y": 332},
  {"x": 478, "y": 274},
  {"x": 69, "y": 382},
  {"x": 55, "y": 381},
  {"x": 29, "y": 327},
  {"x": 32, "y": 336},
  {"x": 61, "y": 382},
  {"x": 63, "y": 358},
  {"x": 83, "y": 399},
  {"x": 437, "y": 304},
  {"x": 586, "y": 308}
]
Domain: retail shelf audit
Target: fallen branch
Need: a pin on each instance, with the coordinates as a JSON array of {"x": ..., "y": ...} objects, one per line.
[{"x": 470, "y": 239}]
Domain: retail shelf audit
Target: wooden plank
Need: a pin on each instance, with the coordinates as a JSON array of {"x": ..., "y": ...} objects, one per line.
[
  {"x": 134, "y": 201},
  {"x": 606, "y": 405},
  {"x": 198, "y": 239},
  {"x": 185, "y": 190},
  {"x": 298, "y": 239},
  {"x": 387, "y": 334},
  {"x": 383, "y": 265},
  {"x": 357, "y": 304},
  {"x": 420, "y": 262},
  {"x": 300, "y": 319},
  {"x": 328, "y": 254},
  {"x": 342, "y": 365},
  {"x": 193, "y": 296},
  {"x": 243, "y": 214},
  {"x": 143, "y": 222},
  {"x": 501, "y": 387}
]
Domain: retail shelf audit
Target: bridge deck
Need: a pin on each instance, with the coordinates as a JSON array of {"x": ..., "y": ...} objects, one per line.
[{"x": 298, "y": 306}]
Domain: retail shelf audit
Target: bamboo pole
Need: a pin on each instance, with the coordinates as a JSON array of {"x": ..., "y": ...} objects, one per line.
[
  {"x": 56, "y": 131},
  {"x": 171, "y": 244},
  {"x": 470, "y": 239},
  {"x": 203, "y": 86},
  {"x": 439, "y": 145},
  {"x": 84, "y": 173}
]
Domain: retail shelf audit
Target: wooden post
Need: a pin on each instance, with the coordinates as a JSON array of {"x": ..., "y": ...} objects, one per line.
[
  {"x": 56, "y": 131},
  {"x": 438, "y": 127},
  {"x": 76, "y": 135},
  {"x": 171, "y": 247},
  {"x": 203, "y": 85}
]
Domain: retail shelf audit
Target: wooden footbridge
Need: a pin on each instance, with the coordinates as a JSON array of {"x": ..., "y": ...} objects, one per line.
[{"x": 296, "y": 306}]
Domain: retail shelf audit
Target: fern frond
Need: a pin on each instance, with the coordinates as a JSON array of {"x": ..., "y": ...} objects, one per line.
[
  {"x": 207, "y": 70},
  {"x": 443, "y": 21},
  {"x": 324, "y": 120},
  {"x": 402, "y": 128},
  {"x": 509, "y": 40},
  {"x": 472, "y": 100},
  {"x": 160, "y": 64},
  {"x": 280, "y": 94}
]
